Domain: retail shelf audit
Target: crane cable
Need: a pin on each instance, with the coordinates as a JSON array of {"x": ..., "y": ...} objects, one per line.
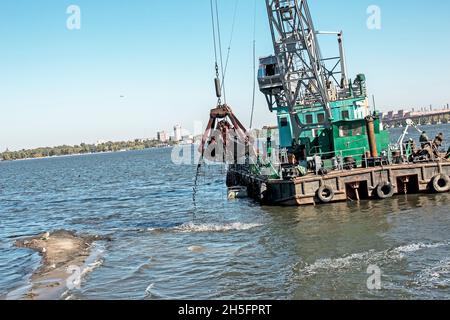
[
  {"x": 220, "y": 50},
  {"x": 217, "y": 38},
  {"x": 254, "y": 66},
  {"x": 231, "y": 39},
  {"x": 213, "y": 24}
]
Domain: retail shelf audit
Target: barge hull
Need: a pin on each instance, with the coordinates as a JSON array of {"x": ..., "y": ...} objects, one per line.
[{"x": 356, "y": 184}]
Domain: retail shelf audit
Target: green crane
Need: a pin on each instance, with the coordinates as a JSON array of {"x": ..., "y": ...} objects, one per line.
[{"x": 319, "y": 110}]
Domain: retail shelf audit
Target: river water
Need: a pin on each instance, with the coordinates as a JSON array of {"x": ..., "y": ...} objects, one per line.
[{"x": 164, "y": 247}]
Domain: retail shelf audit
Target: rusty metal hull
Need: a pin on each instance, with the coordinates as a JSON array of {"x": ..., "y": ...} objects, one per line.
[{"x": 357, "y": 184}]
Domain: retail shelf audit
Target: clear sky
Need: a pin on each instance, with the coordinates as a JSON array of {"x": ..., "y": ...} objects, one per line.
[{"x": 59, "y": 86}]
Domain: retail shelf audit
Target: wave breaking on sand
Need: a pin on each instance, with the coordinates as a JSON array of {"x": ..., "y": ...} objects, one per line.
[{"x": 66, "y": 259}]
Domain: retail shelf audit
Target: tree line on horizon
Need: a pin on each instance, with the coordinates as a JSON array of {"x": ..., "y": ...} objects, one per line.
[{"x": 83, "y": 148}]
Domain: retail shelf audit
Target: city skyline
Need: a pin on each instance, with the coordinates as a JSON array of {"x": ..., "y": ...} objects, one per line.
[{"x": 111, "y": 78}]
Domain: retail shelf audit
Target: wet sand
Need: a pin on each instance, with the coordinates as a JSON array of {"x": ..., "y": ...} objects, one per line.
[{"x": 63, "y": 255}]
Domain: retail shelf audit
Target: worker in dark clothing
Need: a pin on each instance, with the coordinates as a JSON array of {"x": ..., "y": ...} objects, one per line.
[
  {"x": 424, "y": 140},
  {"x": 448, "y": 154},
  {"x": 439, "y": 140},
  {"x": 433, "y": 148},
  {"x": 427, "y": 146}
]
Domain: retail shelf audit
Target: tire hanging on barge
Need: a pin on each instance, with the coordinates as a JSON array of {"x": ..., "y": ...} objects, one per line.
[
  {"x": 385, "y": 190},
  {"x": 440, "y": 183},
  {"x": 325, "y": 194}
]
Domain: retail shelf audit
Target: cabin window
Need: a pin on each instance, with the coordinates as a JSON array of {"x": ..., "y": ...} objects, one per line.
[
  {"x": 345, "y": 115},
  {"x": 353, "y": 130},
  {"x": 270, "y": 70},
  {"x": 344, "y": 131},
  {"x": 357, "y": 130},
  {"x": 283, "y": 122},
  {"x": 321, "y": 118},
  {"x": 286, "y": 14},
  {"x": 309, "y": 119}
]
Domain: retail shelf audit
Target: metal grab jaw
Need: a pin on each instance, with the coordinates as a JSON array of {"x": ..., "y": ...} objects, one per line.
[{"x": 224, "y": 126}]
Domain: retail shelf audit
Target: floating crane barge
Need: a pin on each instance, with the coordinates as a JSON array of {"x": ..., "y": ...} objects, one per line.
[{"x": 331, "y": 146}]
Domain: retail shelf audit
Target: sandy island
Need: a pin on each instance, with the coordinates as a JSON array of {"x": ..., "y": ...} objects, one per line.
[{"x": 61, "y": 251}]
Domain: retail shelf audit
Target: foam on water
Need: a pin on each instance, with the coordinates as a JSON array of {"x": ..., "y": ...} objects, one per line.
[
  {"x": 91, "y": 267},
  {"x": 209, "y": 227},
  {"x": 418, "y": 246},
  {"x": 359, "y": 260},
  {"x": 94, "y": 261},
  {"x": 436, "y": 276}
]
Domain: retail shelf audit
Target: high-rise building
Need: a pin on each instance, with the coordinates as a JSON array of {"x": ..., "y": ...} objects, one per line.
[
  {"x": 162, "y": 136},
  {"x": 177, "y": 133}
]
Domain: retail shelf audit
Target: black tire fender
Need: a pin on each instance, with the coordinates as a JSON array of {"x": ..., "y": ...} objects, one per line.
[
  {"x": 325, "y": 194},
  {"x": 385, "y": 190},
  {"x": 440, "y": 183}
]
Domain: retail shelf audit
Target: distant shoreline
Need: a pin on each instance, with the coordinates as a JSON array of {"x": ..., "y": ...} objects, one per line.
[
  {"x": 82, "y": 154},
  {"x": 65, "y": 156}
]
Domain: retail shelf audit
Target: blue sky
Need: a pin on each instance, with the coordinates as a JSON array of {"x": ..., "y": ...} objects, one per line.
[{"x": 59, "y": 86}]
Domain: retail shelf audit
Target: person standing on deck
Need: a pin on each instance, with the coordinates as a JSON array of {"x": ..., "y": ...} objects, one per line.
[
  {"x": 411, "y": 147},
  {"x": 424, "y": 140},
  {"x": 438, "y": 140}
]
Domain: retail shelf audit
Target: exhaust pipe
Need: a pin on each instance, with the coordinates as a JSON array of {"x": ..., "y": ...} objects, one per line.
[{"x": 370, "y": 124}]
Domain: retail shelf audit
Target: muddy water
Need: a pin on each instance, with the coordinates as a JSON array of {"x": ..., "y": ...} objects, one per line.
[{"x": 164, "y": 247}]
